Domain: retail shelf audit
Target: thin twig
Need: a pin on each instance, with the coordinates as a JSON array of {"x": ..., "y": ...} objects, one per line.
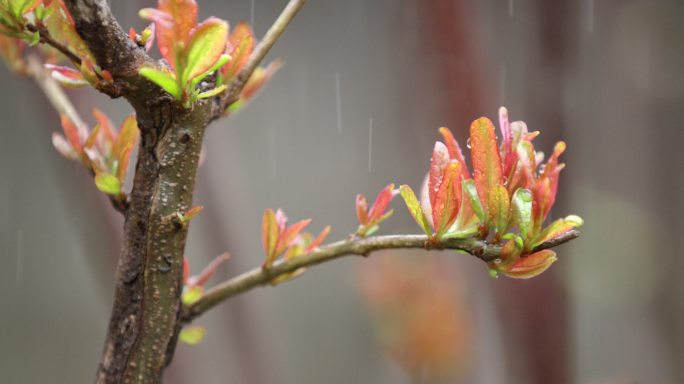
[
  {"x": 260, "y": 52},
  {"x": 46, "y": 38},
  {"x": 362, "y": 247},
  {"x": 60, "y": 101}
]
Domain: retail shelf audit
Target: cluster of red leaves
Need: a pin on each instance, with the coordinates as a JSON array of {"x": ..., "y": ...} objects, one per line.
[
  {"x": 507, "y": 198},
  {"x": 423, "y": 322},
  {"x": 289, "y": 241},
  {"x": 16, "y": 16},
  {"x": 370, "y": 219},
  {"x": 193, "y": 51},
  {"x": 103, "y": 150}
]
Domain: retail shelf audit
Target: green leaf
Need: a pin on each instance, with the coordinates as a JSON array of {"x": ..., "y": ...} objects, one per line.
[
  {"x": 414, "y": 208},
  {"x": 557, "y": 228},
  {"x": 474, "y": 199},
  {"x": 269, "y": 236},
  {"x": 108, "y": 184},
  {"x": 192, "y": 335},
  {"x": 463, "y": 233},
  {"x": 498, "y": 207},
  {"x": 163, "y": 79},
  {"x": 212, "y": 92},
  {"x": 522, "y": 211},
  {"x": 192, "y": 295},
  {"x": 207, "y": 44},
  {"x": 223, "y": 59}
]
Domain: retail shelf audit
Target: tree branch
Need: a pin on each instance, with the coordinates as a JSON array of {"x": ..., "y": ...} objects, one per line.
[
  {"x": 46, "y": 38},
  {"x": 60, "y": 101},
  {"x": 361, "y": 247},
  {"x": 260, "y": 52}
]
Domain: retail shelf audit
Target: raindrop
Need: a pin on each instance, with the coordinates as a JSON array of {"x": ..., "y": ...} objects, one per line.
[
  {"x": 505, "y": 180},
  {"x": 497, "y": 261},
  {"x": 370, "y": 143},
  {"x": 468, "y": 143},
  {"x": 339, "y": 102}
]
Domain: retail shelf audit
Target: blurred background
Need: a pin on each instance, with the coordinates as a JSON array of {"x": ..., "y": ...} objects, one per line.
[{"x": 365, "y": 86}]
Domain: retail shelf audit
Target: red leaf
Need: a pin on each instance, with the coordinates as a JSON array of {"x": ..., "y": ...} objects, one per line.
[
  {"x": 454, "y": 150},
  {"x": 128, "y": 133},
  {"x": 508, "y": 157},
  {"x": 174, "y": 20},
  {"x": 208, "y": 271},
  {"x": 362, "y": 209},
  {"x": 531, "y": 265},
  {"x": 485, "y": 157},
  {"x": 105, "y": 125},
  {"x": 438, "y": 163},
  {"x": 240, "y": 47},
  {"x": 290, "y": 235},
  {"x": 445, "y": 205},
  {"x": 71, "y": 133},
  {"x": 379, "y": 207},
  {"x": 259, "y": 77},
  {"x": 318, "y": 240}
]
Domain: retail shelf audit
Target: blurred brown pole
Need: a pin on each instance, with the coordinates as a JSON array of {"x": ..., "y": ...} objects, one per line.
[{"x": 533, "y": 313}]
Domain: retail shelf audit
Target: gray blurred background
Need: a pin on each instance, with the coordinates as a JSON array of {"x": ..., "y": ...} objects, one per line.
[{"x": 605, "y": 76}]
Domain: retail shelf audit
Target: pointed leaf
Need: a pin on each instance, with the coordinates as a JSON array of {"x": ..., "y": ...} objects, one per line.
[
  {"x": 454, "y": 150},
  {"x": 192, "y": 295},
  {"x": 163, "y": 79},
  {"x": 127, "y": 136},
  {"x": 240, "y": 46},
  {"x": 445, "y": 206},
  {"x": 522, "y": 211},
  {"x": 485, "y": 157},
  {"x": 63, "y": 147},
  {"x": 558, "y": 228},
  {"x": 319, "y": 239},
  {"x": 531, "y": 265},
  {"x": 205, "y": 48},
  {"x": 108, "y": 184},
  {"x": 191, "y": 334},
  {"x": 471, "y": 192},
  {"x": 290, "y": 235},
  {"x": 499, "y": 208},
  {"x": 174, "y": 21},
  {"x": 269, "y": 236},
  {"x": 362, "y": 209},
  {"x": 414, "y": 208}
]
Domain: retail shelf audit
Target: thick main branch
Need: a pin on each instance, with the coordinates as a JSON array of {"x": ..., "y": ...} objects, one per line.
[{"x": 362, "y": 247}]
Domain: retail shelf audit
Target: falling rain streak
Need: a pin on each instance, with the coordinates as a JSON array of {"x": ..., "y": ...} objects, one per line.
[
  {"x": 370, "y": 143},
  {"x": 339, "y": 102},
  {"x": 511, "y": 8},
  {"x": 20, "y": 255},
  {"x": 251, "y": 15},
  {"x": 590, "y": 15}
]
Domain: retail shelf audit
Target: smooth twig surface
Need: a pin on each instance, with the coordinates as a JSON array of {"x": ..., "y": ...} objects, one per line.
[
  {"x": 361, "y": 247},
  {"x": 264, "y": 46}
]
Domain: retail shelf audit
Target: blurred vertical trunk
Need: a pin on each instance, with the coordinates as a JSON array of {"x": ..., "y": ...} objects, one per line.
[{"x": 533, "y": 313}]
